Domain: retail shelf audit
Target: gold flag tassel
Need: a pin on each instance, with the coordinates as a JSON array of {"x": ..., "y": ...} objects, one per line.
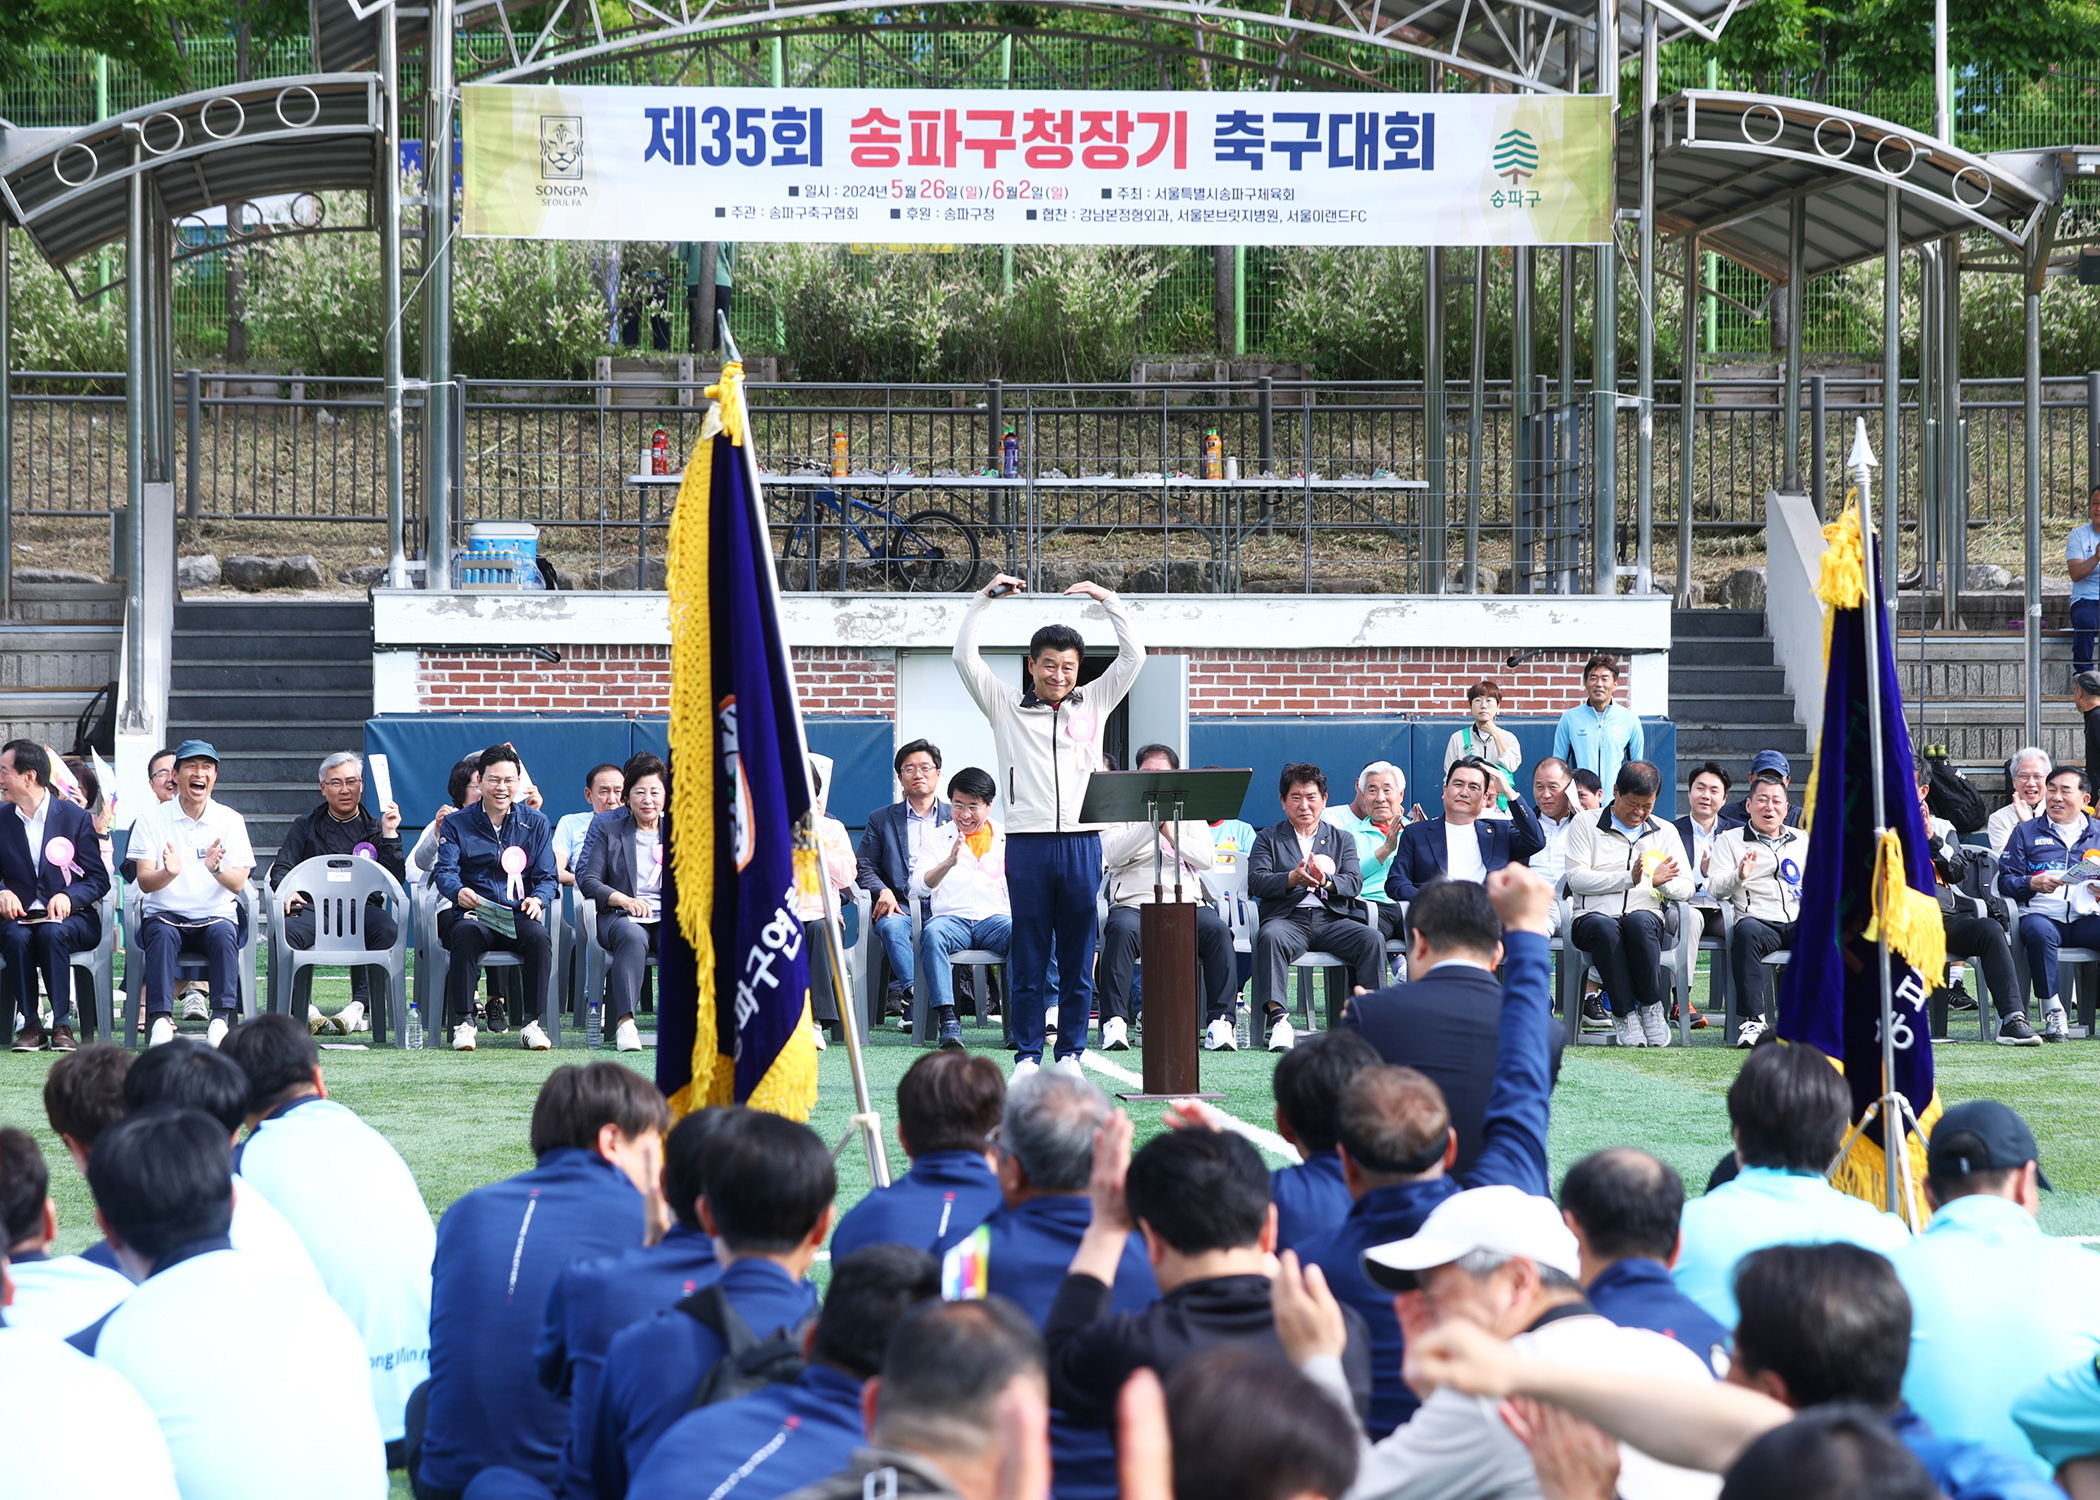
[
  {"x": 1841, "y": 584},
  {"x": 790, "y": 1085},
  {"x": 692, "y": 737},
  {"x": 1861, "y": 1171}
]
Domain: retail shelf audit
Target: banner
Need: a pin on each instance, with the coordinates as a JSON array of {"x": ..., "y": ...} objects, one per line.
[
  {"x": 1032, "y": 166},
  {"x": 733, "y": 963},
  {"x": 1855, "y": 884}
]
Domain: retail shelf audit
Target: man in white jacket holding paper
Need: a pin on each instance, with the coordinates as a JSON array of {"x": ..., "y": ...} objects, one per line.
[{"x": 1048, "y": 736}]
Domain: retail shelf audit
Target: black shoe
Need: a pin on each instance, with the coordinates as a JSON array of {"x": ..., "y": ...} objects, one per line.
[
  {"x": 1959, "y": 998},
  {"x": 498, "y": 1021},
  {"x": 1593, "y": 1014},
  {"x": 2014, "y": 1031}
]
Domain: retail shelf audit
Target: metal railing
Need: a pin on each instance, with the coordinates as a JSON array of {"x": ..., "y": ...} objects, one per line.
[{"x": 1335, "y": 486}]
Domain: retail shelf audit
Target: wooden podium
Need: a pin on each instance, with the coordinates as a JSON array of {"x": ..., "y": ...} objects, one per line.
[{"x": 1167, "y": 927}]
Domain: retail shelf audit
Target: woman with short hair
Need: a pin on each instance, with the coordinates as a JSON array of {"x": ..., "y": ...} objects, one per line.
[{"x": 1485, "y": 739}]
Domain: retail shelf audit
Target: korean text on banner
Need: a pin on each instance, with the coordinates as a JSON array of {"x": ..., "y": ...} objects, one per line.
[{"x": 913, "y": 166}]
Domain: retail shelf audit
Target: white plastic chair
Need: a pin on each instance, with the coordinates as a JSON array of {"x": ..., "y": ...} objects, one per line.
[
  {"x": 434, "y": 965},
  {"x": 979, "y": 961},
  {"x": 596, "y": 960},
  {"x": 339, "y": 887}
]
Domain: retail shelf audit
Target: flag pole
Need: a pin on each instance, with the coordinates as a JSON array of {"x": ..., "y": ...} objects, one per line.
[
  {"x": 1892, "y": 1121},
  {"x": 865, "y": 1116}
]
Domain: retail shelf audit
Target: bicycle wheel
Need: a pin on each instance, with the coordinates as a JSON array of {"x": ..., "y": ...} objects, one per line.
[{"x": 933, "y": 552}]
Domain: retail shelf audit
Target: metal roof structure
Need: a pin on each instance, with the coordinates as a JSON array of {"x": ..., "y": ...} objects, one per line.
[
  {"x": 1526, "y": 44},
  {"x": 319, "y": 133},
  {"x": 1729, "y": 168}
]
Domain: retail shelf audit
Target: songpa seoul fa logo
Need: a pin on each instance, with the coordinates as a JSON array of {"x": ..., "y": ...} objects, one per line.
[
  {"x": 561, "y": 148},
  {"x": 1516, "y": 157}
]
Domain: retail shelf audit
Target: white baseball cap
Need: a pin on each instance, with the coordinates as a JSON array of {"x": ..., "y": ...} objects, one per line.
[{"x": 1501, "y": 1219}]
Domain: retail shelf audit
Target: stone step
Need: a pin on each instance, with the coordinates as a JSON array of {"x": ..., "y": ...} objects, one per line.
[
  {"x": 83, "y": 657},
  {"x": 1724, "y": 742},
  {"x": 1694, "y": 624},
  {"x": 270, "y": 736},
  {"x": 1732, "y": 709},
  {"x": 195, "y": 646},
  {"x": 1720, "y": 651},
  {"x": 81, "y": 603},
  {"x": 292, "y": 679},
  {"x": 1739, "y": 679}
]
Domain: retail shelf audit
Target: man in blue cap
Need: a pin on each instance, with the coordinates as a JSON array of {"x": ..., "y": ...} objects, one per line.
[
  {"x": 1735, "y": 814},
  {"x": 1979, "y": 1332},
  {"x": 193, "y": 859}
]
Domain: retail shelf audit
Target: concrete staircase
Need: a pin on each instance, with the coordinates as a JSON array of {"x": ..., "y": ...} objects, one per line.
[
  {"x": 1728, "y": 697},
  {"x": 1966, "y": 690},
  {"x": 275, "y": 686},
  {"x": 60, "y": 648}
]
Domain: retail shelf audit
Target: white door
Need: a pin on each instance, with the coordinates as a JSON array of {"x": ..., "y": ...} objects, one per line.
[{"x": 932, "y": 704}]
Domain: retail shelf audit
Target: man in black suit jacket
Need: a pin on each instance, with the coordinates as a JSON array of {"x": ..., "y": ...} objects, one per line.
[
  {"x": 1305, "y": 875},
  {"x": 1446, "y": 1020},
  {"x": 1424, "y": 853},
  {"x": 47, "y": 906}
]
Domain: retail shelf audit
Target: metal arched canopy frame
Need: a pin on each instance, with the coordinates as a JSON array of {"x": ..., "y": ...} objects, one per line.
[
  {"x": 217, "y": 147},
  {"x": 1518, "y": 43},
  {"x": 1730, "y": 167}
]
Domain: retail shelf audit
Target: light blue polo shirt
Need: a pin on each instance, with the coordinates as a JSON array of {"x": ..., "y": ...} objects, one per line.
[
  {"x": 1983, "y": 1324},
  {"x": 1769, "y": 1206},
  {"x": 1588, "y": 740},
  {"x": 2081, "y": 544},
  {"x": 1370, "y": 838},
  {"x": 2060, "y": 1414}
]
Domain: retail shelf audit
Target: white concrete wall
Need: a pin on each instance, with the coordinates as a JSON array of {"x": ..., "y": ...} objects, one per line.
[{"x": 1794, "y": 550}]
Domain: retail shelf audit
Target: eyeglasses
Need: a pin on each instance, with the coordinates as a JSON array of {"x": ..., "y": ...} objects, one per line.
[
  {"x": 498, "y": 781},
  {"x": 342, "y": 783}
]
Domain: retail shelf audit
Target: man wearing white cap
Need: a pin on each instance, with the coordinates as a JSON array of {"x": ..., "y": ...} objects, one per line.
[{"x": 1504, "y": 1260}]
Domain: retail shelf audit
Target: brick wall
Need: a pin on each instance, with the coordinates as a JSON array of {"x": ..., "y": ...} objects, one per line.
[
  {"x": 633, "y": 679},
  {"x": 1375, "y": 680}
]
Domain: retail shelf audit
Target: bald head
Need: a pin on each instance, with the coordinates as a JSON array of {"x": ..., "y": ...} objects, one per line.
[{"x": 1624, "y": 1203}]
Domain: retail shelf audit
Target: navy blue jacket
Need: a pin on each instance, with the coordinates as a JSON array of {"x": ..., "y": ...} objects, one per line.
[
  {"x": 499, "y": 1250},
  {"x": 1310, "y": 1198},
  {"x": 1027, "y": 1250},
  {"x": 593, "y": 1300},
  {"x": 653, "y": 1367},
  {"x": 34, "y": 878},
  {"x": 470, "y": 852},
  {"x": 2034, "y": 846},
  {"x": 1641, "y": 1293},
  {"x": 1513, "y": 1151},
  {"x": 944, "y": 1196},
  {"x": 883, "y": 859},
  {"x": 774, "y": 1442},
  {"x": 1422, "y": 853},
  {"x": 1969, "y": 1471}
]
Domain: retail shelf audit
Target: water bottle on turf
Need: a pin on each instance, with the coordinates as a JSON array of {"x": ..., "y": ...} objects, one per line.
[
  {"x": 593, "y": 1027},
  {"x": 414, "y": 1028}
]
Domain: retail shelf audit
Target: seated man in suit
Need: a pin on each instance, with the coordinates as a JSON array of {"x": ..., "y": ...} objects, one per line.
[
  {"x": 1462, "y": 844},
  {"x": 1625, "y": 867},
  {"x": 1127, "y": 854},
  {"x": 1444, "y": 1021},
  {"x": 47, "y": 903},
  {"x": 1304, "y": 873},
  {"x": 892, "y": 847}
]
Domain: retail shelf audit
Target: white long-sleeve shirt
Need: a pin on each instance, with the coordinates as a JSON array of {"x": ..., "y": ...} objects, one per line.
[{"x": 975, "y": 888}]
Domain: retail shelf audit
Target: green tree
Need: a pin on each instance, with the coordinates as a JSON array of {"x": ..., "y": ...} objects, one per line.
[{"x": 145, "y": 34}]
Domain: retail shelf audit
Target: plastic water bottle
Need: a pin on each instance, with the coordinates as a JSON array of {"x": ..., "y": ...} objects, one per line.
[
  {"x": 415, "y": 1027},
  {"x": 593, "y": 1027},
  {"x": 1241, "y": 1019}
]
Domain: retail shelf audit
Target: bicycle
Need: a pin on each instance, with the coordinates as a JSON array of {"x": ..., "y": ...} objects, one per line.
[{"x": 929, "y": 552}]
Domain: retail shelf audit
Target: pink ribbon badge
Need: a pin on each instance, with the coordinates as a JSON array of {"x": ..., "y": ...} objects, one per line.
[
  {"x": 60, "y": 853},
  {"x": 514, "y": 862},
  {"x": 365, "y": 851}
]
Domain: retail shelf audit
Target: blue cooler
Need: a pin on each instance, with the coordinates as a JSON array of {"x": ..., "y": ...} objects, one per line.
[{"x": 500, "y": 555}]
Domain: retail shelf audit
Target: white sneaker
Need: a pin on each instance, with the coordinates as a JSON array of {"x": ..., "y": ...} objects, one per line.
[
  {"x": 2056, "y": 1026},
  {"x": 1627, "y": 1029},
  {"x": 1281, "y": 1037},
  {"x": 1070, "y": 1063},
  {"x": 627, "y": 1037},
  {"x": 352, "y": 1018},
  {"x": 1218, "y": 1037},
  {"x": 1115, "y": 1036},
  {"x": 162, "y": 1030},
  {"x": 216, "y": 1032},
  {"x": 1747, "y": 1036},
  {"x": 1024, "y": 1067},
  {"x": 196, "y": 1003},
  {"x": 1655, "y": 1026},
  {"x": 463, "y": 1037},
  {"x": 532, "y": 1039}
]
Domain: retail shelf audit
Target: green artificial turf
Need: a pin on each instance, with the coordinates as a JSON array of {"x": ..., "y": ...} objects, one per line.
[{"x": 460, "y": 1119}]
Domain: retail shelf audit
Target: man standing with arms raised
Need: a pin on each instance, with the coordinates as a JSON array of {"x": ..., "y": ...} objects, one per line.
[{"x": 1048, "y": 737}]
